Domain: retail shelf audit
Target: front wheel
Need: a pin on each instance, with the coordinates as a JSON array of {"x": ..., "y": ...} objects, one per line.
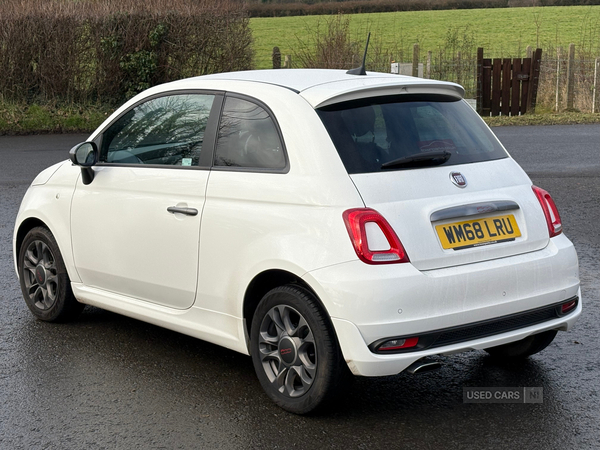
[
  {"x": 294, "y": 350},
  {"x": 523, "y": 348},
  {"x": 44, "y": 281}
]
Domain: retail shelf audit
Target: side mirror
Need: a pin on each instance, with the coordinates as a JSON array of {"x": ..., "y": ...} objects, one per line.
[{"x": 85, "y": 155}]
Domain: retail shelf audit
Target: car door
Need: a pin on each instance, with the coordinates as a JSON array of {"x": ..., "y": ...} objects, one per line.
[
  {"x": 136, "y": 226},
  {"x": 246, "y": 209}
]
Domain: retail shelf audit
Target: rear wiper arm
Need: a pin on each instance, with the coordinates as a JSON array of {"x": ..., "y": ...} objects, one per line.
[{"x": 419, "y": 160}]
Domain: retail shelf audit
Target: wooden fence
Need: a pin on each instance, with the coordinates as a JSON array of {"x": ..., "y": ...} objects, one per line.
[{"x": 507, "y": 86}]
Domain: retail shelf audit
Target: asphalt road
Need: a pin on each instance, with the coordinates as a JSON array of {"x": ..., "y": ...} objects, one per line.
[{"x": 106, "y": 381}]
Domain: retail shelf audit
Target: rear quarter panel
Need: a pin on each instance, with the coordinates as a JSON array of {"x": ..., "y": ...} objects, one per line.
[{"x": 291, "y": 221}]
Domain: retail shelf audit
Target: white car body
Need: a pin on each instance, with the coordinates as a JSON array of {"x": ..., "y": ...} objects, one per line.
[{"x": 125, "y": 253}]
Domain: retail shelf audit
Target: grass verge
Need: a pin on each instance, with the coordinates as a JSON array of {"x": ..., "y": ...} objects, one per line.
[
  {"x": 565, "y": 118},
  {"x": 36, "y": 119}
]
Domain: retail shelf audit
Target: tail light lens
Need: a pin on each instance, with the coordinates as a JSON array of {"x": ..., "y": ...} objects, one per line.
[
  {"x": 374, "y": 240},
  {"x": 550, "y": 211}
]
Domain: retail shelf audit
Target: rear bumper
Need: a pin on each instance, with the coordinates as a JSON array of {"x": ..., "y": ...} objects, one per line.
[
  {"x": 362, "y": 361},
  {"x": 369, "y": 303}
]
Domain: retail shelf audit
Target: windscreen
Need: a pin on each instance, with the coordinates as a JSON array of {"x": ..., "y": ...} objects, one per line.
[{"x": 408, "y": 131}]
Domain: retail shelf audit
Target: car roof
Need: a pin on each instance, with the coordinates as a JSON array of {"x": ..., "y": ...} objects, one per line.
[
  {"x": 295, "y": 79},
  {"x": 321, "y": 87}
]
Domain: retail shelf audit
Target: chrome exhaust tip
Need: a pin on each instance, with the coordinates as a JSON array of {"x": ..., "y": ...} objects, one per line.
[{"x": 423, "y": 365}]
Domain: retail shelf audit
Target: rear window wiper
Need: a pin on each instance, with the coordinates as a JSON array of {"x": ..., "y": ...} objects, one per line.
[{"x": 419, "y": 160}]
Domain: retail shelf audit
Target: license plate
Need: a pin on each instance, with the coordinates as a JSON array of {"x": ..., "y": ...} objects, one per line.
[{"x": 475, "y": 233}]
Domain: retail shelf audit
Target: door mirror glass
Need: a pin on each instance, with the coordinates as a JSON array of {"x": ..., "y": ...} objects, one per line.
[{"x": 84, "y": 154}]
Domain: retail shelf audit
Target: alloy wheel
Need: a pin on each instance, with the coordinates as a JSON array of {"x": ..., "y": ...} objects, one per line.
[
  {"x": 40, "y": 275},
  {"x": 287, "y": 351}
]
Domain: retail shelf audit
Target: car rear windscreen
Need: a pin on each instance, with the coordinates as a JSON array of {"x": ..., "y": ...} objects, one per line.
[{"x": 408, "y": 131}]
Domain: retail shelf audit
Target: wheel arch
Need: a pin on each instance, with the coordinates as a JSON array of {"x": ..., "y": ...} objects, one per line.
[
  {"x": 25, "y": 227},
  {"x": 62, "y": 240},
  {"x": 263, "y": 283}
]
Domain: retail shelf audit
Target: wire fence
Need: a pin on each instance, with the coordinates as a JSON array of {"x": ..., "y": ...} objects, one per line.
[
  {"x": 458, "y": 70},
  {"x": 552, "y": 89},
  {"x": 554, "y": 83}
]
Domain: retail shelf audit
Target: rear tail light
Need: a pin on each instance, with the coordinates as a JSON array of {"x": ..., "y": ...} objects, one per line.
[
  {"x": 374, "y": 240},
  {"x": 550, "y": 211}
]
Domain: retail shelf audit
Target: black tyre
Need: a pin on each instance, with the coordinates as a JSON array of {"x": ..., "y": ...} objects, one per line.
[
  {"x": 44, "y": 281},
  {"x": 523, "y": 348},
  {"x": 294, "y": 350}
]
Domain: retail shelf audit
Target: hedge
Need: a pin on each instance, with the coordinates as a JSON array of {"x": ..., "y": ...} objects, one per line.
[{"x": 108, "y": 51}]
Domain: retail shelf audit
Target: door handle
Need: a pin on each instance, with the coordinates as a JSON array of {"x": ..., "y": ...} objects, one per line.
[{"x": 180, "y": 210}]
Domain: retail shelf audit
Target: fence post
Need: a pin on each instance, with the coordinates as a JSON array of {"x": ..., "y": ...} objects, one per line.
[
  {"x": 596, "y": 86},
  {"x": 529, "y": 51},
  {"x": 287, "y": 63},
  {"x": 536, "y": 63},
  {"x": 571, "y": 77},
  {"x": 559, "y": 52},
  {"x": 415, "y": 62},
  {"x": 479, "y": 107},
  {"x": 276, "y": 58},
  {"x": 458, "y": 68},
  {"x": 428, "y": 64}
]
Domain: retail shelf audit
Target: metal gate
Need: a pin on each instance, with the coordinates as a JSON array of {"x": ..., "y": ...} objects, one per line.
[{"x": 507, "y": 86}]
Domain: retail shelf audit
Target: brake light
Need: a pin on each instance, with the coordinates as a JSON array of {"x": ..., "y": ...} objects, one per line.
[
  {"x": 550, "y": 211},
  {"x": 374, "y": 240}
]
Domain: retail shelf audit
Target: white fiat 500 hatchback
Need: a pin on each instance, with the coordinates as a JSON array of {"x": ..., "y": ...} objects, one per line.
[{"x": 324, "y": 223}]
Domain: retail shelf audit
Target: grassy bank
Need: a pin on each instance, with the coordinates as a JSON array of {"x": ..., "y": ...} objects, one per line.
[
  {"x": 501, "y": 32},
  {"x": 36, "y": 119},
  {"x": 566, "y": 118}
]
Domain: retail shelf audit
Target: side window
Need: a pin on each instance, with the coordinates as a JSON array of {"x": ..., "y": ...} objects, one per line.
[
  {"x": 248, "y": 137},
  {"x": 166, "y": 130}
]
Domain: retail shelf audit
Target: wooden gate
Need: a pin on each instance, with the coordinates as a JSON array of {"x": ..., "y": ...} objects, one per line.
[{"x": 507, "y": 86}]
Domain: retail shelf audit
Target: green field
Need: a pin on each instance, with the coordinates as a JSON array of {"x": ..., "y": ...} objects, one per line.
[{"x": 501, "y": 32}]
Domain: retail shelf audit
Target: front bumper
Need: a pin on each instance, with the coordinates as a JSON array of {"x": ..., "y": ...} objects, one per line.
[{"x": 370, "y": 303}]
